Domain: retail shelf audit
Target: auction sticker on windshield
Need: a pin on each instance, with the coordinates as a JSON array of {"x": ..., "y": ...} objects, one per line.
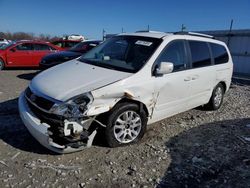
[{"x": 144, "y": 43}]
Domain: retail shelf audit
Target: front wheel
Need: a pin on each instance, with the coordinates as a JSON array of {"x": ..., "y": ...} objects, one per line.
[
  {"x": 126, "y": 125},
  {"x": 216, "y": 98},
  {"x": 1, "y": 64}
]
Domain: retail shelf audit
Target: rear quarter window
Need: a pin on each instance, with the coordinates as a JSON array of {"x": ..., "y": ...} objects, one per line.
[
  {"x": 200, "y": 54},
  {"x": 220, "y": 54}
]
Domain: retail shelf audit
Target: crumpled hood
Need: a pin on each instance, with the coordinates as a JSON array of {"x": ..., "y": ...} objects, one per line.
[{"x": 73, "y": 78}]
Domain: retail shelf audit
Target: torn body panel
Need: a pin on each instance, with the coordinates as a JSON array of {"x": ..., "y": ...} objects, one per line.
[
  {"x": 61, "y": 137},
  {"x": 142, "y": 91}
]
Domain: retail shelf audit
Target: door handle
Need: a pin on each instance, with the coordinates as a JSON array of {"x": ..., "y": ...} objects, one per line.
[
  {"x": 187, "y": 79},
  {"x": 194, "y": 77}
]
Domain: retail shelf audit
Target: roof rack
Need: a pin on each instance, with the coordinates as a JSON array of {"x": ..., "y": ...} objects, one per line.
[
  {"x": 193, "y": 34},
  {"x": 147, "y": 31}
]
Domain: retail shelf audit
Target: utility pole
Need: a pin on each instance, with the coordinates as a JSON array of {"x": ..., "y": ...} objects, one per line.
[
  {"x": 122, "y": 30},
  {"x": 148, "y": 27},
  {"x": 183, "y": 27},
  {"x": 230, "y": 30},
  {"x": 103, "y": 34},
  {"x": 231, "y": 25}
]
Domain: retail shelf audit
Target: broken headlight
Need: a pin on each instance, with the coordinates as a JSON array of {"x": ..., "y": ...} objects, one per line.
[{"x": 74, "y": 107}]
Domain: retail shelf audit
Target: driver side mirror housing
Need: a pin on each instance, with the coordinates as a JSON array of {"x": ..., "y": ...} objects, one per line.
[
  {"x": 164, "y": 68},
  {"x": 13, "y": 49}
]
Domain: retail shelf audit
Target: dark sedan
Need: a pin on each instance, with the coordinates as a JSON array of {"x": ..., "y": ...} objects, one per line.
[{"x": 74, "y": 52}]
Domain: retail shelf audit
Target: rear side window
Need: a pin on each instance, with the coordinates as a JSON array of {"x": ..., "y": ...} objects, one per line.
[
  {"x": 174, "y": 53},
  {"x": 219, "y": 53},
  {"x": 200, "y": 54},
  {"x": 41, "y": 47}
]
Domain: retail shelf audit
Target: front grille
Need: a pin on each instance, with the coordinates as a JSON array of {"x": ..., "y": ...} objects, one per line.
[
  {"x": 56, "y": 122},
  {"x": 40, "y": 106},
  {"x": 39, "y": 101}
]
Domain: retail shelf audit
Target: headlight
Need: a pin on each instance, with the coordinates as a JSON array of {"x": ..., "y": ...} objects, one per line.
[{"x": 74, "y": 107}]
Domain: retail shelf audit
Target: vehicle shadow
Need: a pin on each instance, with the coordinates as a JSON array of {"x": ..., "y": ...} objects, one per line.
[
  {"x": 211, "y": 155},
  {"x": 28, "y": 76},
  {"x": 13, "y": 131}
]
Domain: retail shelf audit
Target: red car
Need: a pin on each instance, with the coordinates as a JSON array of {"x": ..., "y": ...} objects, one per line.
[
  {"x": 65, "y": 44},
  {"x": 25, "y": 53}
]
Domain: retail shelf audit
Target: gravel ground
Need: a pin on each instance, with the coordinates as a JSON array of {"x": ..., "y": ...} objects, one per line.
[{"x": 193, "y": 149}]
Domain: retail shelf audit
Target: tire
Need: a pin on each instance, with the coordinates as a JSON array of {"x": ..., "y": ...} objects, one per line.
[
  {"x": 1, "y": 64},
  {"x": 126, "y": 124},
  {"x": 216, "y": 99}
]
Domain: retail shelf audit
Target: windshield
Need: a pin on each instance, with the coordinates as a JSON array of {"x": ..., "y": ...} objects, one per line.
[
  {"x": 83, "y": 47},
  {"x": 123, "y": 53},
  {"x": 4, "y": 46}
]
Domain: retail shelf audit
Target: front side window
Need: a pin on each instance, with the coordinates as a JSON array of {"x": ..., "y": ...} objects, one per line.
[
  {"x": 41, "y": 47},
  {"x": 5, "y": 46},
  {"x": 123, "y": 53},
  {"x": 219, "y": 53},
  {"x": 69, "y": 44},
  {"x": 174, "y": 53},
  {"x": 24, "y": 47},
  {"x": 200, "y": 54},
  {"x": 83, "y": 47}
]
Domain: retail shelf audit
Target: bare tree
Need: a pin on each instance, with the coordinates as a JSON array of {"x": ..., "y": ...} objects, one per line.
[{"x": 26, "y": 36}]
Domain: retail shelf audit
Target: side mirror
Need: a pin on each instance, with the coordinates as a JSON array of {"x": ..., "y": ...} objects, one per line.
[
  {"x": 13, "y": 49},
  {"x": 165, "y": 68}
]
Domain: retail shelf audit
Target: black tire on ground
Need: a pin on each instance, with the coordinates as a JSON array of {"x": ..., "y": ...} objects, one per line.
[
  {"x": 1, "y": 64},
  {"x": 216, "y": 99},
  {"x": 136, "y": 116}
]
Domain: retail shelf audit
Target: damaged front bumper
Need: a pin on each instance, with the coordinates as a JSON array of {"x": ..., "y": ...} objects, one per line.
[{"x": 40, "y": 131}]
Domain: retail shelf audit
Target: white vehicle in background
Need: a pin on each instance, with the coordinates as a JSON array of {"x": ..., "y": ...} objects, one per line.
[
  {"x": 4, "y": 41},
  {"x": 124, "y": 84},
  {"x": 74, "y": 37}
]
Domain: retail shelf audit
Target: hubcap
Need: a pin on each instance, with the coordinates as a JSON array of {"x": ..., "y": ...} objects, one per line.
[
  {"x": 218, "y": 96},
  {"x": 127, "y": 127}
]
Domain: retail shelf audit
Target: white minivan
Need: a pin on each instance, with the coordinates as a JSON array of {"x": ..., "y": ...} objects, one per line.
[{"x": 122, "y": 85}]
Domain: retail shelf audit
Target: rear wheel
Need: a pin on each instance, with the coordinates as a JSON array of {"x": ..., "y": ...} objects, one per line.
[
  {"x": 126, "y": 124},
  {"x": 216, "y": 98},
  {"x": 1, "y": 64}
]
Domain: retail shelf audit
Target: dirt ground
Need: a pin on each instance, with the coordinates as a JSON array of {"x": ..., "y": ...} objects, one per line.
[{"x": 193, "y": 149}]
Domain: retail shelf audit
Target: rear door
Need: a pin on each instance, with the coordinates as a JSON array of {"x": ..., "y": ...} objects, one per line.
[
  {"x": 202, "y": 75},
  {"x": 40, "y": 50},
  {"x": 20, "y": 55}
]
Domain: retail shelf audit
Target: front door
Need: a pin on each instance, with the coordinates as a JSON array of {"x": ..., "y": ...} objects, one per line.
[
  {"x": 172, "y": 88},
  {"x": 20, "y": 55}
]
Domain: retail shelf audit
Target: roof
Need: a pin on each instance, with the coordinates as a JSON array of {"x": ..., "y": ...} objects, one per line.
[
  {"x": 66, "y": 40},
  {"x": 31, "y": 41},
  {"x": 153, "y": 34}
]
